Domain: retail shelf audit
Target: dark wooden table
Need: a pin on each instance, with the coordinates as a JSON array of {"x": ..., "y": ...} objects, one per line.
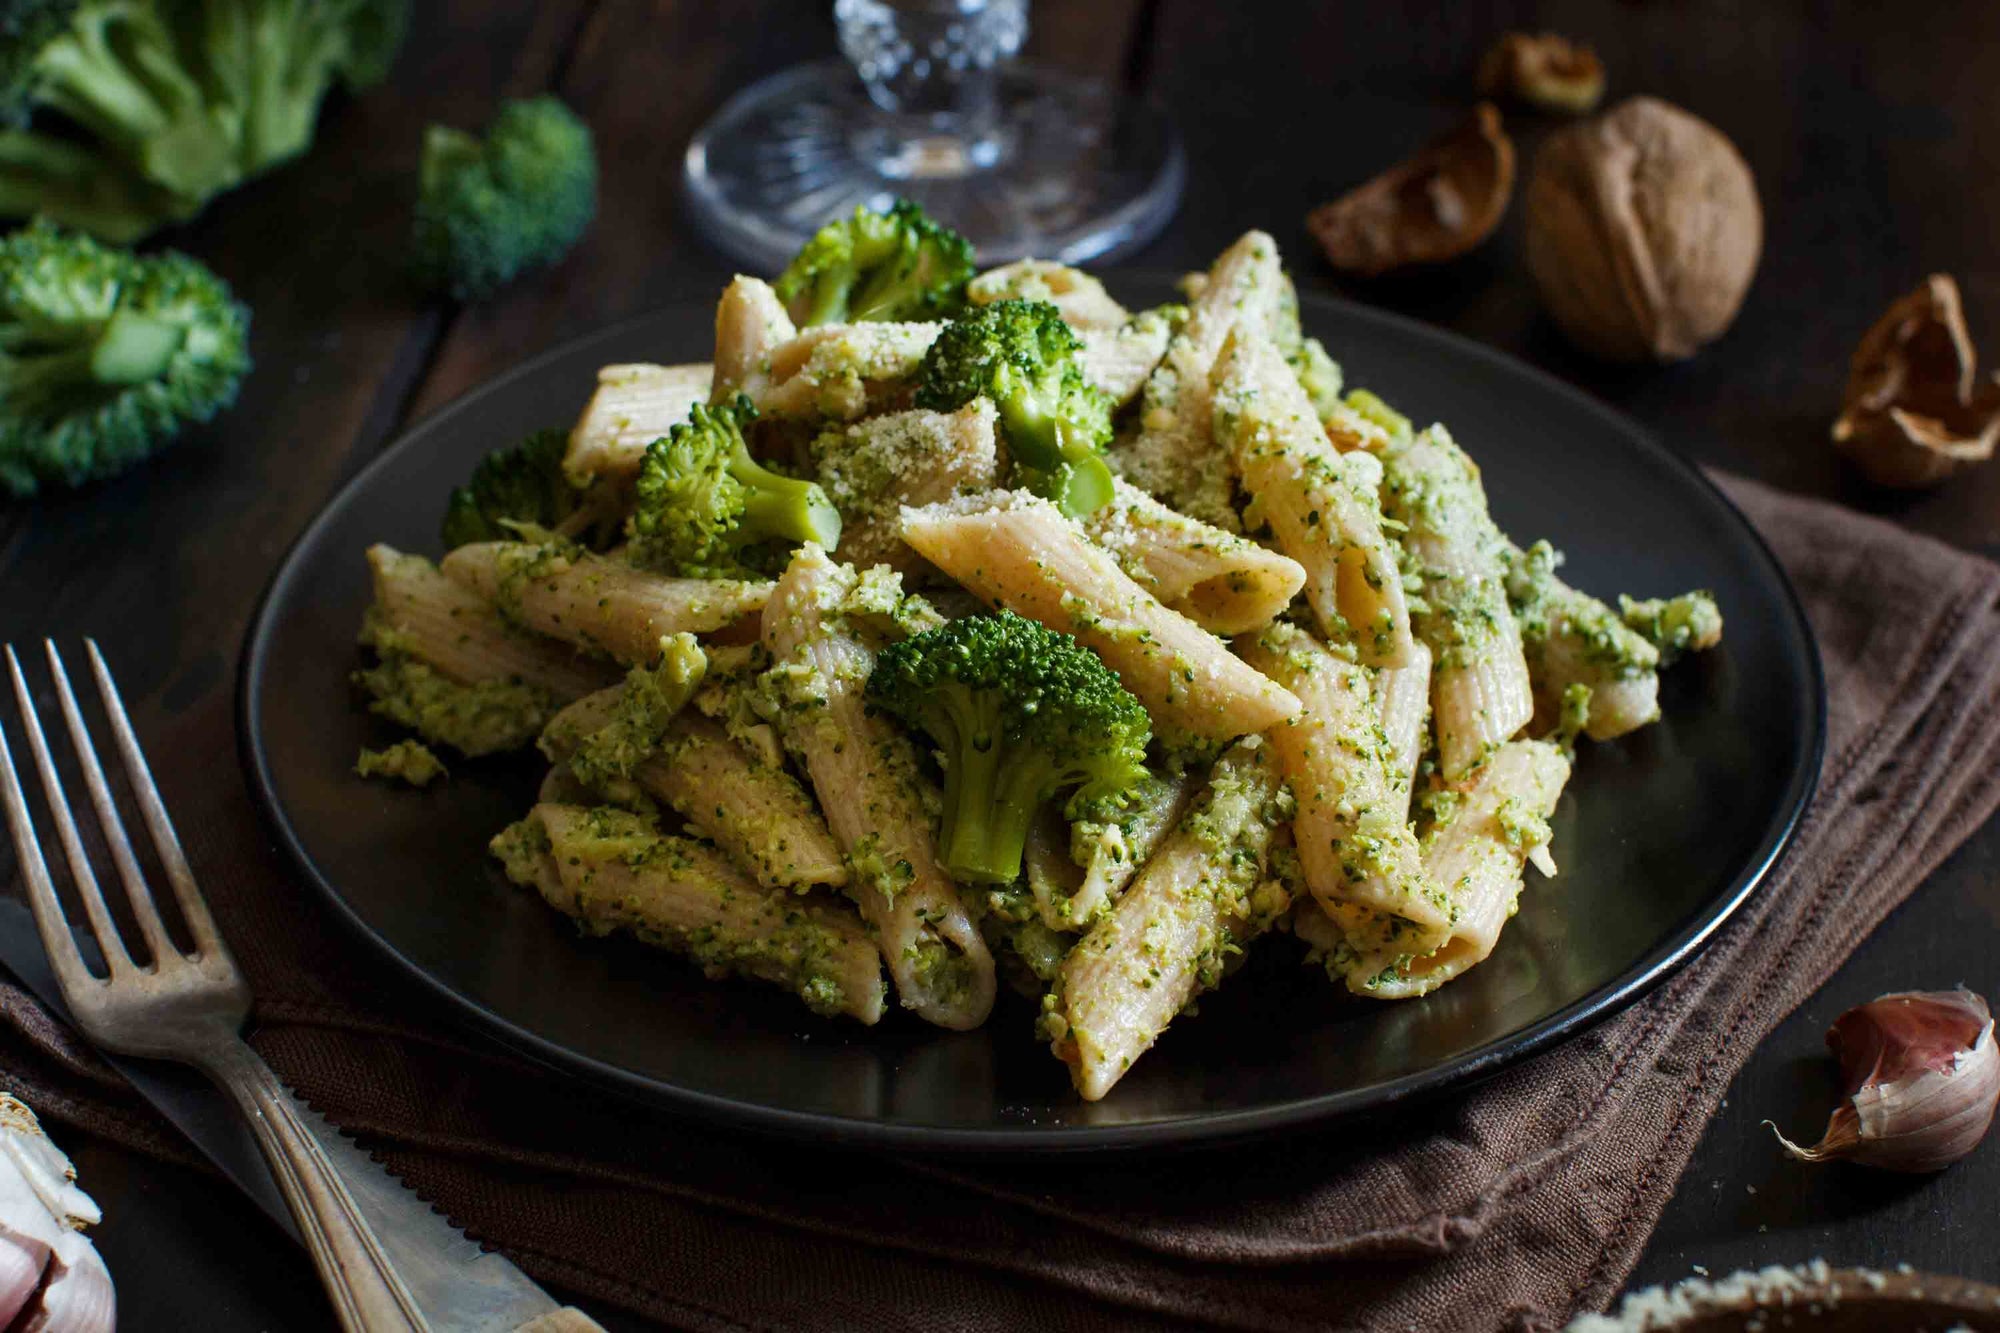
[{"x": 1872, "y": 133}]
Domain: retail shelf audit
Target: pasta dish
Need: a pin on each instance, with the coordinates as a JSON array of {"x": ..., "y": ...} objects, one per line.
[{"x": 958, "y": 629}]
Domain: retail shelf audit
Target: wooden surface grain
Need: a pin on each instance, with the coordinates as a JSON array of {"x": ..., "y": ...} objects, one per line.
[{"x": 1871, "y": 132}]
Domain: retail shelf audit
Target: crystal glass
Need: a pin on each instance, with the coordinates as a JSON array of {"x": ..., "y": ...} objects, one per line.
[{"x": 932, "y": 105}]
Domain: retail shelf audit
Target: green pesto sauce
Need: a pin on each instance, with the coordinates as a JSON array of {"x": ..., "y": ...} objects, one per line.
[
  {"x": 484, "y": 718},
  {"x": 407, "y": 761}
]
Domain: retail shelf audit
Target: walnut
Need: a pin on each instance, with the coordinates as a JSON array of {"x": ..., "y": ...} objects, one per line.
[
  {"x": 1545, "y": 70},
  {"x": 1436, "y": 206},
  {"x": 1642, "y": 231},
  {"x": 1915, "y": 410}
]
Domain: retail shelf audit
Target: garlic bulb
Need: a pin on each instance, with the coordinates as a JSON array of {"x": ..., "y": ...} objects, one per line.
[
  {"x": 52, "y": 1279},
  {"x": 1923, "y": 1079}
]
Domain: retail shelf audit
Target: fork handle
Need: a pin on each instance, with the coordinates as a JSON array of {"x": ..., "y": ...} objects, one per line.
[{"x": 360, "y": 1280}]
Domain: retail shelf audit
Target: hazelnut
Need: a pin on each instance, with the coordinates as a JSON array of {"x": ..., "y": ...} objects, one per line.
[
  {"x": 1545, "y": 70},
  {"x": 1436, "y": 206},
  {"x": 1642, "y": 231},
  {"x": 1915, "y": 410}
]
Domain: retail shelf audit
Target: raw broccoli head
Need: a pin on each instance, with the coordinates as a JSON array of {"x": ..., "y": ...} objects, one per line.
[
  {"x": 105, "y": 356},
  {"x": 488, "y": 211},
  {"x": 519, "y": 488},
  {"x": 1021, "y": 714},
  {"x": 1023, "y": 356},
  {"x": 158, "y": 105},
  {"x": 897, "y": 265},
  {"x": 705, "y": 506}
]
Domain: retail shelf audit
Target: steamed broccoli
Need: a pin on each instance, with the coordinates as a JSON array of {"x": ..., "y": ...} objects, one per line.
[
  {"x": 488, "y": 211},
  {"x": 159, "y": 105},
  {"x": 105, "y": 356},
  {"x": 705, "y": 506},
  {"x": 1023, "y": 356},
  {"x": 1021, "y": 714},
  {"x": 520, "y": 488},
  {"x": 897, "y": 265}
]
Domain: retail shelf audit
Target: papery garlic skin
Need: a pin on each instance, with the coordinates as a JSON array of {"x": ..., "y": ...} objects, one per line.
[
  {"x": 1923, "y": 1082},
  {"x": 55, "y": 1281}
]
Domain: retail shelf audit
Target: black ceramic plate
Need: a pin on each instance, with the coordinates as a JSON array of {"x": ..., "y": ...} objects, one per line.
[{"x": 1660, "y": 836}]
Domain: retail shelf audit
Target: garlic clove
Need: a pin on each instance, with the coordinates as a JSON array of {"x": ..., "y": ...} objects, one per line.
[
  {"x": 52, "y": 1280},
  {"x": 1922, "y": 1075},
  {"x": 78, "y": 1297}
]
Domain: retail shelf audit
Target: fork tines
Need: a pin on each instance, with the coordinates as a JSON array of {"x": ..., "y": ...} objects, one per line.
[{"x": 49, "y": 916}]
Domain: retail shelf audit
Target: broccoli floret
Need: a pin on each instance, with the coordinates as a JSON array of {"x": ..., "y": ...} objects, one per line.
[
  {"x": 156, "y": 106},
  {"x": 897, "y": 265},
  {"x": 705, "y": 506},
  {"x": 488, "y": 211},
  {"x": 1024, "y": 357},
  {"x": 521, "y": 494},
  {"x": 105, "y": 356},
  {"x": 1020, "y": 714},
  {"x": 406, "y": 761}
]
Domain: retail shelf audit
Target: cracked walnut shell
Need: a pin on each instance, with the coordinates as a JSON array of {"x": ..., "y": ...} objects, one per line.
[
  {"x": 1436, "y": 206},
  {"x": 1915, "y": 410},
  {"x": 1545, "y": 70},
  {"x": 1642, "y": 231}
]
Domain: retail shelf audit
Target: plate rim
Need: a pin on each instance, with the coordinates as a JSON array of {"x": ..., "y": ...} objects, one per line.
[{"x": 1637, "y": 981}]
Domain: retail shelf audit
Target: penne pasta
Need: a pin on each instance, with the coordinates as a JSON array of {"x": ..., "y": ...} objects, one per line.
[
  {"x": 871, "y": 470},
  {"x": 1017, "y": 551},
  {"x": 750, "y": 324},
  {"x": 1496, "y": 823},
  {"x": 633, "y": 406},
  {"x": 1405, "y": 694},
  {"x": 865, "y": 774},
  {"x": 1174, "y": 456},
  {"x": 1480, "y": 693},
  {"x": 754, "y": 811},
  {"x": 1321, "y": 505},
  {"x": 1081, "y": 298},
  {"x": 1119, "y": 360},
  {"x": 1355, "y": 845},
  {"x": 843, "y": 372},
  {"x": 1222, "y": 582},
  {"x": 615, "y": 871},
  {"x": 1075, "y": 872},
  {"x": 1570, "y": 638},
  {"x": 596, "y": 602},
  {"x": 458, "y": 632},
  {"x": 1199, "y": 900}
]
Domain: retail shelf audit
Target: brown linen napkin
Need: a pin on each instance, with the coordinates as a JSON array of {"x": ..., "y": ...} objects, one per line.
[{"x": 1529, "y": 1198}]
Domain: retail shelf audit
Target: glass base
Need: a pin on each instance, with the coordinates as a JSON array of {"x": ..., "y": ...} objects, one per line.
[{"x": 1067, "y": 170}]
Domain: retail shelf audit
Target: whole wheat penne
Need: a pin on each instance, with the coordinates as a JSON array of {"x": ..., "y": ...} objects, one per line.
[
  {"x": 1202, "y": 896},
  {"x": 1571, "y": 638},
  {"x": 459, "y": 633},
  {"x": 750, "y": 324},
  {"x": 1480, "y": 692},
  {"x": 1405, "y": 694},
  {"x": 1017, "y": 551},
  {"x": 1068, "y": 895},
  {"x": 870, "y": 470},
  {"x": 633, "y": 406},
  {"x": 1222, "y": 582},
  {"x": 865, "y": 773},
  {"x": 752, "y": 810},
  {"x": 1321, "y": 504},
  {"x": 843, "y": 372},
  {"x": 1476, "y": 851},
  {"x": 1174, "y": 456},
  {"x": 596, "y": 602},
  {"x": 618, "y": 872},
  {"x": 1119, "y": 360},
  {"x": 1081, "y": 298},
  {"x": 1354, "y": 840}
]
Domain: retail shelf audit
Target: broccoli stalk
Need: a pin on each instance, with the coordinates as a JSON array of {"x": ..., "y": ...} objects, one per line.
[
  {"x": 1023, "y": 356},
  {"x": 897, "y": 265},
  {"x": 488, "y": 211},
  {"x": 105, "y": 356},
  {"x": 166, "y": 103},
  {"x": 1021, "y": 714},
  {"x": 705, "y": 506}
]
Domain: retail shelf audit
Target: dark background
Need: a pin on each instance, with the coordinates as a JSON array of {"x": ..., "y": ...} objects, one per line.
[{"x": 1872, "y": 132}]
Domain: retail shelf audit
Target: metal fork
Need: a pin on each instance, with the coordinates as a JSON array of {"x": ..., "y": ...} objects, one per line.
[{"x": 184, "y": 1007}]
